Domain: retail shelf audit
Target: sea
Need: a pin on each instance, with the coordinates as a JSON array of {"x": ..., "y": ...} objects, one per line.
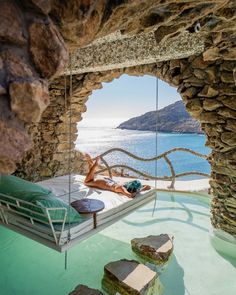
[{"x": 97, "y": 140}]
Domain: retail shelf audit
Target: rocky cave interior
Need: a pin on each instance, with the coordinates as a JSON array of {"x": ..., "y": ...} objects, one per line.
[{"x": 188, "y": 44}]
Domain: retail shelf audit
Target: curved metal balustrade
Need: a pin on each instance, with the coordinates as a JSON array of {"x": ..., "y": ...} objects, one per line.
[{"x": 164, "y": 155}]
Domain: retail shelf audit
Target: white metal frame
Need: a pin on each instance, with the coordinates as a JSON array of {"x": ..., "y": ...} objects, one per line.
[{"x": 47, "y": 233}]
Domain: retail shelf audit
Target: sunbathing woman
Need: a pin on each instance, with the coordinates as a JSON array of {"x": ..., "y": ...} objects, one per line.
[{"x": 107, "y": 183}]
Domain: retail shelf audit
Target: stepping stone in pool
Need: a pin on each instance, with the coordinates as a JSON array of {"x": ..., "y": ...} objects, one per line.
[
  {"x": 129, "y": 277},
  {"x": 153, "y": 249},
  {"x": 84, "y": 290}
]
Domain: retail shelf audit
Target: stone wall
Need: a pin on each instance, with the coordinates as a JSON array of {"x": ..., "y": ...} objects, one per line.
[
  {"x": 51, "y": 137},
  {"x": 207, "y": 86},
  {"x": 31, "y": 52}
]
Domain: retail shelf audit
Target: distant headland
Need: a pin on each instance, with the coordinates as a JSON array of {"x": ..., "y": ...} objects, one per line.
[{"x": 173, "y": 118}]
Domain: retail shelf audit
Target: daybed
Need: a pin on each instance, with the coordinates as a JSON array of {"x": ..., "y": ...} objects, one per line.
[{"x": 51, "y": 225}]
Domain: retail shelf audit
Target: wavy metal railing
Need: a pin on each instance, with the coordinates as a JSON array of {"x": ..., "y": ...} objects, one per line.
[{"x": 164, "y": 155}]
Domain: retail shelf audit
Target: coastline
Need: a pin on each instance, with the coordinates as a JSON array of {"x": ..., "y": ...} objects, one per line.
[{"x": 160, "y": 132}]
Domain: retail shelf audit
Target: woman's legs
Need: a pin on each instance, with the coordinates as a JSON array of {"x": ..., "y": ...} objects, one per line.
[
  {"x": 102, "y": 183},
  {"x": 89, "y": 160},
  {"x": 91, "y": 173}
]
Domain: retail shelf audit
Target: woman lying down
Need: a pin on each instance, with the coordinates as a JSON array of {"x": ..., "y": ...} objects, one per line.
[{"x": 129, "y": 189}]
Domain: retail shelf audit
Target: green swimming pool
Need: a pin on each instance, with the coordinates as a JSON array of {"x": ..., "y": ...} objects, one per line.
[{"x": 27, "y": 267}]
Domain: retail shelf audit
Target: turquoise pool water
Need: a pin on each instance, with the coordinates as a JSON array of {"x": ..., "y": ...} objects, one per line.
[{"x": 27, "y": 267}]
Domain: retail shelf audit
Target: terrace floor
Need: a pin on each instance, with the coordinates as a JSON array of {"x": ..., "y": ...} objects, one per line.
[{"x": 195, "y": 268}]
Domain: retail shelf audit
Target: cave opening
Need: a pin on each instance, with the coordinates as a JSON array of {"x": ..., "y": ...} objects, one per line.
[{"x": 122, "y": 115}]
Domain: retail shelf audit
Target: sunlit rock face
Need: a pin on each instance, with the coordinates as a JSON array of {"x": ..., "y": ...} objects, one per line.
[
  {"x": 36, "y": 36},
  {"x": 32, "y": 51},
  {"x": 84, "y": 21}
]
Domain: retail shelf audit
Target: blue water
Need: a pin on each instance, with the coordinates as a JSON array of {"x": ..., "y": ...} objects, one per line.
[{"x": 97, "y": 140}]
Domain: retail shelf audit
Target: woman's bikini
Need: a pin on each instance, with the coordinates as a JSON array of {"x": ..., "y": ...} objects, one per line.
[{"x": 109, "y": 181}]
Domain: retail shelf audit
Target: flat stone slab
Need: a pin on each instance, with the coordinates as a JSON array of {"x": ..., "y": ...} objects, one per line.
[
  {"x": 128, "y": 277},
  {"x": 154, "y": 249},
  {"x": 84, "y": 290}
]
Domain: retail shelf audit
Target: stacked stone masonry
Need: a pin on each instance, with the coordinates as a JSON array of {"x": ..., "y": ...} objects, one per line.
[
  {"x": 33, "y": 53},
  {"x": 208, "y": 97}
]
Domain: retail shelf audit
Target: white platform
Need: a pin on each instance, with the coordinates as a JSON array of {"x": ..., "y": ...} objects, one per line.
[
  {"x": 60, "y": 186},
  {"x": 56, "y": 236}
]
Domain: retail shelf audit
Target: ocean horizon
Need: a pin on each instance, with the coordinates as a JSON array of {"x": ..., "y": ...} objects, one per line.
[{"x": 97, "y": 140}]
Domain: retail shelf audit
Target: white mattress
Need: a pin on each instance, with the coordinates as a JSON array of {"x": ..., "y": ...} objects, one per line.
[{"x": 60, "y": 188}]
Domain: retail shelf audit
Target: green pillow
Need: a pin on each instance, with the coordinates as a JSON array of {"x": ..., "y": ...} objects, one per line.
[
  {"x": 37, "y": 195},
  {"x": 20, "y": 188}
]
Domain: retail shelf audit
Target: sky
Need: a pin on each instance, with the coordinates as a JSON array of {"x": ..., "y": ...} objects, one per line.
[{"x": 125, "y": 98}]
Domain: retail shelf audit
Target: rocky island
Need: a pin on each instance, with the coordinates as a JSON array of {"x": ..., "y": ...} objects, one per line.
[{"x": 173, "y": 118}]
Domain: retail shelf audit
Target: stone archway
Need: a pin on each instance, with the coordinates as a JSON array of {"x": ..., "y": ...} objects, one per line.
[{"x": 206, "y": 86}]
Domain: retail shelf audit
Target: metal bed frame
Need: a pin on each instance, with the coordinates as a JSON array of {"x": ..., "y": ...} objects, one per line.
[{"x": 15, "y": 215}]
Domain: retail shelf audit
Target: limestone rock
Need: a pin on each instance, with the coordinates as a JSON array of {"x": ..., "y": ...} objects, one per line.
[
  {"x": 11, "y": 29},
  {"x": 200, "y": 74},
  {"x": 84, "y": 290},
  {"x": 229, "y": 138},
  {"x": 228, "y": 113},
  {"x": 175, "y": 63},
  {"x": 48, "y": 49},
  {"x": 227, "y": 66},
  {"x": 211, "y": 104},
  {"x": 188, "y": 92},
  {"x": 199, "y": 63},
  {"x": 194, "y": 107},
  {"x": 210, "y": 117},
  {"x": 29, "y": 99},
  {"x": 81, "y": 20},
  {"x": 45, "y": 172},
  {"x": 227, "y": 77},
  {"x": 14, "y": 139},
  {"x": 229, "y": 54},
  {"x": 193, "y": 81},
  {"x": 231, "y": 125},
  {"x": 211, "y": 54},
  {"x": 228, "y": 101},
  {"x": 154, "y": 249},
  {"x": 212, "y": 75},
  {"x": 16, "y": 66},
  {"x": 128, "y": 277},
  {"x": 208, "y": 91},
  {"x": 228, "y": 90}
]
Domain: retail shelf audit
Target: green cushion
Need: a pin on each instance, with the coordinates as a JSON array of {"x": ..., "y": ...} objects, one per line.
[
  {"x": 20, "y": 188},
  {"x": 37, "y": 195}
]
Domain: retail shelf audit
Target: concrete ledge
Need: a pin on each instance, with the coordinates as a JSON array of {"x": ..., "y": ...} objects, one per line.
[{"x": 223, "y": 242}]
